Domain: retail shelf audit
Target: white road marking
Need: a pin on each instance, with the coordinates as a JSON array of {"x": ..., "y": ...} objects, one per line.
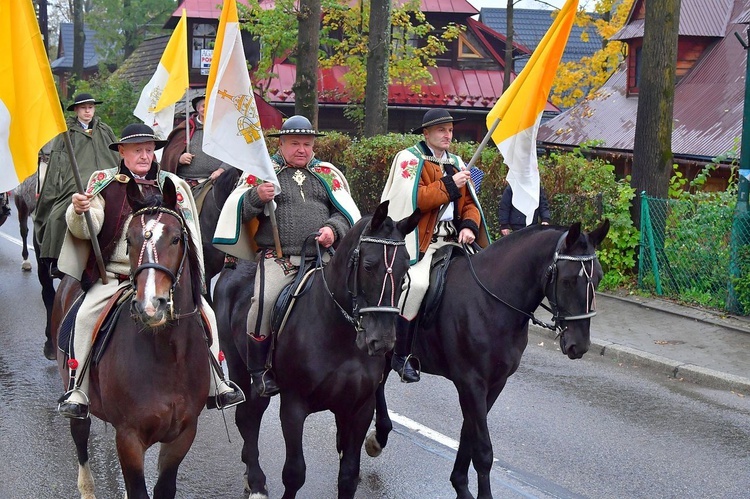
[{"x": 15, "y": 241}]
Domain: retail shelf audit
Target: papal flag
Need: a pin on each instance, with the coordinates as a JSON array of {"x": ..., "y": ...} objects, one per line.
[
  {"x": 30, "y": 110},
  {"x": 168, "y": 85},
  {"x": 232, "y": 131},
  {"x": 520, "y": 112}
]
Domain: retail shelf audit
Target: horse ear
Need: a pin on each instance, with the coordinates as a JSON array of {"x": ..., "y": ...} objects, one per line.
[
  {"x": 169, "y": 193},
  {"x": 410, "y": 223},
  {"x": 574, "y": 232},
  {"x": 135, "y": 197},
  {"x": 597, "y": 235},
  {"x": 381, "y": 213}
]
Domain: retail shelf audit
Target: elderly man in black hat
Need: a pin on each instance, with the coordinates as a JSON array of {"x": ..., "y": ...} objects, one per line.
[
  {"x": 194, "y": 166},
  {"x": 90, "y": 138},
  {"x": 314, "y": 198},
  {"x": 105, "y": 200},
  {"x": 428, "y": 177}
]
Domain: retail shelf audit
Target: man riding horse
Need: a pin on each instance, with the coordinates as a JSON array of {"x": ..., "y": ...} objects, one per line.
[
  {"x": 428, "y": 177},
  {"x": 105, "y": 199},
  {"x": 314, "y": 198}
]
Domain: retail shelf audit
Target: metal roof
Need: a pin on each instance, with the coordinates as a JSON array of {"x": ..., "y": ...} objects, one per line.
[
  {"x": 697, "y": 18},
  {"x": 64, "y": 59},
  {"x": 453, "y": 88},
  {"x": 708, "y": 105},
  {"x": 530, "y": 25}
]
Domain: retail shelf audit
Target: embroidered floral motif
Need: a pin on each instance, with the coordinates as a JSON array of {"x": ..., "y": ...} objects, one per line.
[
  {"x": 330, "y": 178},
  {"x": 96, "y": 182},
  {"x": 409, "y": 168},
  {"x": 253, "y": 181}
]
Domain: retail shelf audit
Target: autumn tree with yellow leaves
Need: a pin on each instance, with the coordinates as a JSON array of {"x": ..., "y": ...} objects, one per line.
[{"x": 580, "y": 79}]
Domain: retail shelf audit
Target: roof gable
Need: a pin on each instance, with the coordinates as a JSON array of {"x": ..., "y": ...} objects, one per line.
[
  {"x": 530, "y": 26},
  {"x": 65, "y": 46},
  {"x": 708, "y": 18}
]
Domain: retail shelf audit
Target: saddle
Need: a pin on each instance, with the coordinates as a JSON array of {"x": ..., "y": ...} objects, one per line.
[
  {"x": 438, "y": 270},
  {"x": 200, "y": 191}
]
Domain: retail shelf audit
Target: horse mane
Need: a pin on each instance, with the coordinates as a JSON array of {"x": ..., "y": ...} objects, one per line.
[
  {"x": 157, "y": 201},
  {"x": 352, "y": 235},
  {"x": 225, "y": 184}
]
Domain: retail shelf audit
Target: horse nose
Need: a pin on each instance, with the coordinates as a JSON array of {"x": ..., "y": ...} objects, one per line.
[{"x": 573, "y": 349}]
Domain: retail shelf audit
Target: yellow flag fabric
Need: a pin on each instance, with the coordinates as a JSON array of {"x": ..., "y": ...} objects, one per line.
[
  {"x": 169, "y": 83},
  {"x": 232, "y": 130},
  {"x": 520, "y": 110},
  {"x": 30, "y": 110}
]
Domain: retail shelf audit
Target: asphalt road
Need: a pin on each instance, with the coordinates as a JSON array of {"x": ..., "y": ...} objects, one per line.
[{"x": 591, "y": 428}]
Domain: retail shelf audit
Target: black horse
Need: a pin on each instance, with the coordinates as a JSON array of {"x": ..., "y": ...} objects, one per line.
[
  {"x": 213, "y": 258},
  {"x": 481, "y": 328},
  {"x": 330, "y": 353}
]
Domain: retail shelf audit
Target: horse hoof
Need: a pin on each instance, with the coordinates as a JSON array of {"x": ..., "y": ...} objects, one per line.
[
  {"x": 26, "y": 266},
  {"x": 49, "y": 351},
  {"x": 372, "y": 447}
]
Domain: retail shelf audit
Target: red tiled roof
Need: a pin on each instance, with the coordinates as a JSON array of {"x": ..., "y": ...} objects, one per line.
[
  {"x": 460, "y": 89},
  {"x": 708, "y": 105}
]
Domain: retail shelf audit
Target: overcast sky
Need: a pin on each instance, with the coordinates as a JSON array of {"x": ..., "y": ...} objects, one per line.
[{"x": 523, "y": 4}]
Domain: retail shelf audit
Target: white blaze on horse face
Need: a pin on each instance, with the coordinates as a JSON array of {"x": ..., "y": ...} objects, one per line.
[{"x": 150, "y": 255}]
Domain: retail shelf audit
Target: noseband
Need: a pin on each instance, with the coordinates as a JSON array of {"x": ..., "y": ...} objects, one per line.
[
  {"x": 149, "y": 246},
  {"x": 355, "y": 318}
]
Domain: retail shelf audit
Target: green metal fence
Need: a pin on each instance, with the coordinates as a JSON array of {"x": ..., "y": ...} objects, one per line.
[{"x": 696, "y": 251}]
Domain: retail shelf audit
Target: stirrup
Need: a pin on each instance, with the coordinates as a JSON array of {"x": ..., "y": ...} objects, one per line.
[
  {"x": 73, "y": 410},
  {"x": 233, "y": 398},
  {"x": 266, "y": 385}
]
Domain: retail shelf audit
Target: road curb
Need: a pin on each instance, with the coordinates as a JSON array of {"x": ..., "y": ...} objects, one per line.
[{"x": 672, "y": 368}]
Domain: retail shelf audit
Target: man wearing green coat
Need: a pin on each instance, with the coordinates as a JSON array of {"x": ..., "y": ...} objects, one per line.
[{"x": 90, "y": 137}]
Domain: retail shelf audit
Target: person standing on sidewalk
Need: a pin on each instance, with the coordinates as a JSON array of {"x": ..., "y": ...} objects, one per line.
[{"x": 510, "y": 218}]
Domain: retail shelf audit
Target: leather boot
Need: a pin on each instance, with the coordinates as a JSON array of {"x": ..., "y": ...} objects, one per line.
[
  {"x": 401, "y": 352},
  {"x": 257, "y": 356}
]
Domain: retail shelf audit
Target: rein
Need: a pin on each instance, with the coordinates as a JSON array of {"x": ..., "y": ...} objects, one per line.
[
  {"x": 551, "y": 274},
  {"x": 149, "y": 246}
]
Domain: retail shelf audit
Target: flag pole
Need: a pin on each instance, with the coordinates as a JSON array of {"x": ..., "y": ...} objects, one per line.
[
  {"x": 483, "y": 143},
  {"x": 187, "y": 122},
  {"x": 275, "y": 229},
  {"x": 86, "y": 214}
]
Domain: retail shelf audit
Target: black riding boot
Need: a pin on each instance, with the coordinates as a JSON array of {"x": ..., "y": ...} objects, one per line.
[
  {"x": 402, "y": 351},
  {"x": 257, "y": 356}
]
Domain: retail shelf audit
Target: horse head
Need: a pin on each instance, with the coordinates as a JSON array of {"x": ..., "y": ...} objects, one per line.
[
  {"x": 159, "y": 246},
  {"x": 377, "y": 263},
  {"x": 570, "y": 287}
]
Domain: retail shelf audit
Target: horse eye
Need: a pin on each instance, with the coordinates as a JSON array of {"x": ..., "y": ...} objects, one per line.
[
  {"x": 176, "y": 241},
  {"x": 369, "y": 265}
]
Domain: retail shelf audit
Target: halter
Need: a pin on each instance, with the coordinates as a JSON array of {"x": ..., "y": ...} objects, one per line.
[
  {"x": 355, "y": 319},
  {"x": 551, "y": 275},
  {"x": 150, "y": 246}
]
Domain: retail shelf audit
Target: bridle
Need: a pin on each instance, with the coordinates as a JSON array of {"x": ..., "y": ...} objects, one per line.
[
  {"x": 149, "y": 246},
  {"x": 355, "y": 318},
  {"x": 551, "y": 280}
]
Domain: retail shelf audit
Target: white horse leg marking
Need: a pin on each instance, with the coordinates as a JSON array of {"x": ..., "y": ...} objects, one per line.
[{"x": 85, "y": 481}]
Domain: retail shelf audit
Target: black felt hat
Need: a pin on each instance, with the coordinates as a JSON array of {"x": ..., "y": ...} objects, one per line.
[
  {"x": 137, "y": 133},
  {"x": 83, "y": 99},
  {"x": 195, "y": 100},
  {"x": 434, "y": 117},
  {"x": 296, "y": 125}
]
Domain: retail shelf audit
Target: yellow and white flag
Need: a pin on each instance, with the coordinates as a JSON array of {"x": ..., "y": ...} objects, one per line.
[
  {"x": 232, "y": 131},
  {"x": 168, "y": 85},
  {"x": 520, "y": 110},
  {"x": 30, "y": 110}
]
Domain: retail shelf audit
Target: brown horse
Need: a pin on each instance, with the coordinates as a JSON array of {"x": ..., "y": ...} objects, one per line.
[
  {"x": 330, "y": 353},
  {"x": 152, "y": 381}
]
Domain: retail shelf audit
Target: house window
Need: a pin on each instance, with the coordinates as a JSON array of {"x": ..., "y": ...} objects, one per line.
[
  {"x": 635, "y": 60},
  {"x": 466, "y": 50},
  {"x": 204, "y": 37}
]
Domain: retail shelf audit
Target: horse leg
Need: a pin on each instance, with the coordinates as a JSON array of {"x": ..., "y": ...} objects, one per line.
[
  {"x": 352, "y": 428},
  {"x": 475, "y": 444},
  {"x": 170, "y": 456},
  {"x": 80, "y": 430},
  {"x": 292, "y": 415},
  {"x": 23, "y": 225},
  {"x": 130, "y": 451},
  {"x": 48, "y": 297},
  {"x": 378, "y": 438}
]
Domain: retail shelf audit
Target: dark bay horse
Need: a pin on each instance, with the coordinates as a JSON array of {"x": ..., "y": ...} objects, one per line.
[
  {"x": 152, "y": 381},
  {"x": 481, "y": 328},
  {"x": 330, "y": 353}
]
